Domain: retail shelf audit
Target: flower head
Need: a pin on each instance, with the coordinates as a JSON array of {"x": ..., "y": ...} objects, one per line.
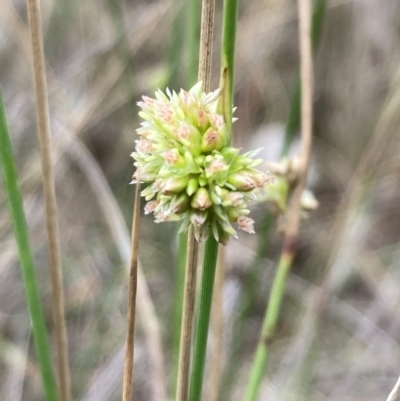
[{"x": 193, "y": 174}]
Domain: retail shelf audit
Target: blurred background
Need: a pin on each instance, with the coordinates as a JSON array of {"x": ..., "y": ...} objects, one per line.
[{"x": 339, "y": 333}]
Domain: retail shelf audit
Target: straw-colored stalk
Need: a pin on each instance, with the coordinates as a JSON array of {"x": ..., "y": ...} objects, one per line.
[
  {"x": 204, "y": 74},
  {"x": 43, "y": 124},
  {"x": 187, "y": 317},
  {"x": 127, "y": 386}
]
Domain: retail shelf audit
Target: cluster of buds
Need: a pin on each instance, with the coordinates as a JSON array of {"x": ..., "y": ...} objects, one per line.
[
  {"x": 286, "y": 175},
  {"x": 192, "y": 173}
]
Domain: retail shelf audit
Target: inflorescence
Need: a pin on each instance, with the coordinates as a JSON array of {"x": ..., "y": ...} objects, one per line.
[{"x": 193, "y": 174}]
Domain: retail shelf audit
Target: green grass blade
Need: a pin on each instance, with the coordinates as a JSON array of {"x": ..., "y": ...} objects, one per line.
[
  {"x": 227, "y": 60},
  {"x": 25, "y": 255},
  {"x": 268, "y": 328},
  {"x": 175, "y": 49},
  {"x": 178, "y": 306},
  {"x": 203, "y": 319},
  {"x": 193, "y": 40}
]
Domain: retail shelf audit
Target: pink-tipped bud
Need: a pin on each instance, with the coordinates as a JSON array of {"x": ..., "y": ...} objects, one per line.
[
  {"x": 233, "y": 199},
  {"x": 212, "y": 140},
  {"x": 198, "y": 218},
  {"x": 180, "y": 204},
  {"x": 242, "y": 181},
  {"x": 150, "y": 207},
  {"x": 173, "y": 186},
  {"x": 202, "y": 120},
  {"x": 174, "y": 158},
  {"x": 215, "y": 167},
  {"x": 201, "y": 199},
  {"x": 246, "y": 224}
]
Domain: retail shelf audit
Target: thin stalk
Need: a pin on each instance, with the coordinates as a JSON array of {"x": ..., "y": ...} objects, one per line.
[
  {"x": 178, "y": 305},
  {"x": 43, "y": 124},
  {"x": 26, "y": 259},
  {"x": 217, "y": 325},
  {"x": 127, "y": 386},
  {"x": 245, "y": 306},
  {"x": 206, "y": 40},
  {"x": 293, "y": 121},
  {"x": 119, "y": 232},
  {"x": 227, "y": 61},
  {"x": 269, "y": 326},
  {"x": 294, "y": 209},
  {"x": 187, "y": 317},
  {"x": 203, "y": 320},
  {"x": 291, "y": 128},
  {"x": 204, "y": 73},
  {"x": 193, "y": 34},
  {"x": 175, "y": 45}
]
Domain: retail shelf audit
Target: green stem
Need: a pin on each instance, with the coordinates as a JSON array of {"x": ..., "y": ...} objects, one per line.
[
  {"x": 249, "y": 291},
  {"x": 227, "y": 60},
  {"x": 279, "y": 283},
  {"x": 203, "y": 320},
  {"x": 269, "y": 326},
  {"x": 26, "y": 259},
  {"x": 178, "y": 305},
  {"x": 193, "y": 38},
  {"x": 293, "y": 121},
  {"x": 175, "y": 46}
]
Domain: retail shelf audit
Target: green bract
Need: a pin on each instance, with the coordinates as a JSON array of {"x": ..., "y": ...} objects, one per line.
[{"x": 193, "y": 174}]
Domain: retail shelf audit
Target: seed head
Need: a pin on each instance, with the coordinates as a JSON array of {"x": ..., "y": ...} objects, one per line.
[{"x": 193, "y": 174}]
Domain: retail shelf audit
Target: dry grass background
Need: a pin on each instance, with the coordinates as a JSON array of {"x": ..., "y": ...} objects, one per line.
[{"x": 102, "y": 56}]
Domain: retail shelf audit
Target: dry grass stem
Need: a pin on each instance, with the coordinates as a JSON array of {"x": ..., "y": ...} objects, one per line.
[
  {"x": 306, "y": 75},
  {"x": 127, "y": 386},
  {"x": 206, "y": 35},
  {"x": 43, "y": 123},
  {"x": 187, "y": 317},
  {"x": 116, "y": 223},
  {"x": 206, "y": 40},
  {"x": 217, "y": 323},
  {"x": 395, "y": 393}
]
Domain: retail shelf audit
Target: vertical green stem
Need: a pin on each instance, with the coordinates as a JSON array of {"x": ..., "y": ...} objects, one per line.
[
  {"x": 293, "y": 212},
  {"x": 203, "y": 320},
  {"x": 227, "y": 60},
  {"x": 25, "y": 255},
  {"x": 178, "y": 305},
  {"x": 174, "y": 77},
  {"x": 193, "y": 37},
  {"x": 269, "y": 326},
  {"x": 246, "y": 302}
]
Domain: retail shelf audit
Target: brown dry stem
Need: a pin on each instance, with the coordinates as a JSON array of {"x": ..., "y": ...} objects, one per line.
[
  {"x": 204, "y": 75},
  {"x": 127, "y": 386},
  {"x": 43, "y": 124},
  {"x": 187, "y": 317}
]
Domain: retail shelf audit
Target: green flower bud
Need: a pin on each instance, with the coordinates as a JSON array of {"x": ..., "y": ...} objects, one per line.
[
  {"x": 180, "y": 203},
  {"x": 192, "y": 186},
  {"x": 173, "y": 186},
  {"x": 201, "y": 199},
  {"x": 212, "y": 140},
  {"x": 174, "y": 158},
  {"x": 242, "y": 181},
  {"x": 189, "y": 136}
]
